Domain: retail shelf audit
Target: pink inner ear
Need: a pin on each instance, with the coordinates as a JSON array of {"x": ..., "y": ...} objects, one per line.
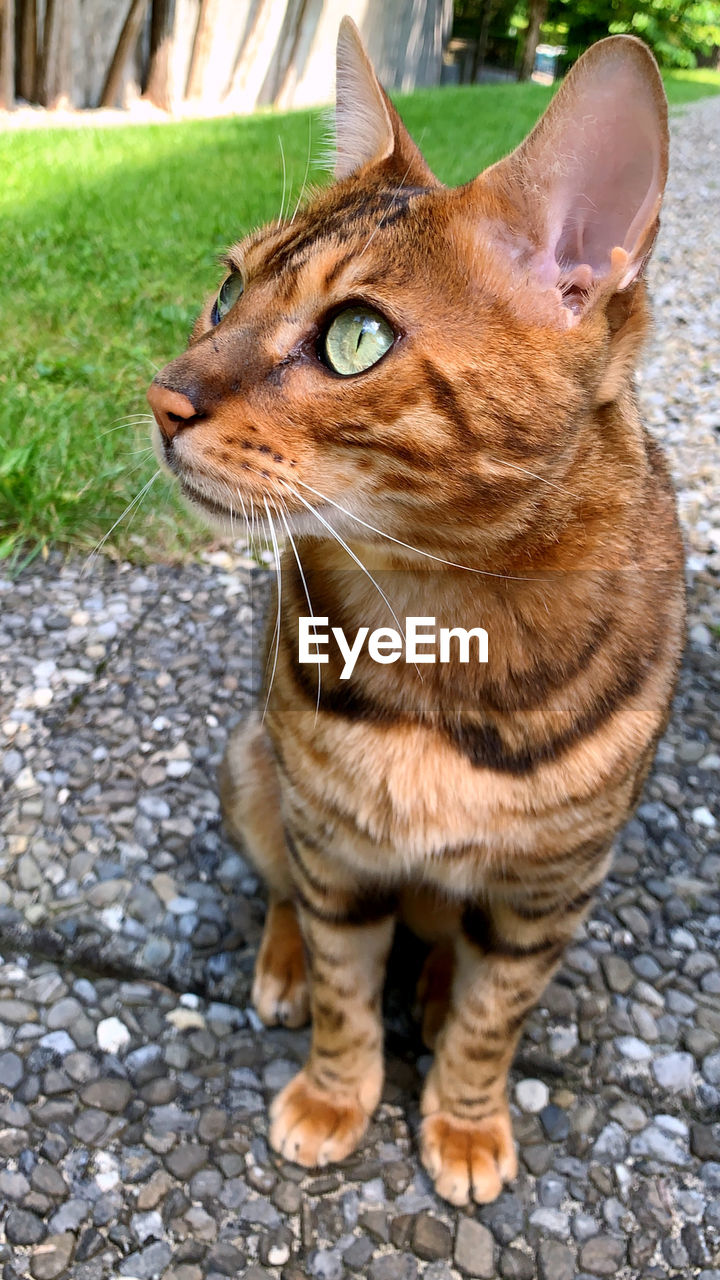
[{"x": 605, "y": 161}]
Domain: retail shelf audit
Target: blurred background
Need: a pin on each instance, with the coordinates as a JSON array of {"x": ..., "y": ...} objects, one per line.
[
  {"x": 238, "y": 55},
  {"x": 140, "y": 137}
]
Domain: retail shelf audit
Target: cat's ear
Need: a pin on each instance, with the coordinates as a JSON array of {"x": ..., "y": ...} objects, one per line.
[
  {"x": 367, "y": 127},
  {"x": 588, "y": 181}
]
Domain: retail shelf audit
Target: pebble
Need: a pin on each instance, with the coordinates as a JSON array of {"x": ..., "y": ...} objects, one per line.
[
  {"x": 532, "y": 1095},
  {"x": 674, "y": 1071},
  {"x": 112, "y": 1035},
  {"x": 474, "y": 1249}
]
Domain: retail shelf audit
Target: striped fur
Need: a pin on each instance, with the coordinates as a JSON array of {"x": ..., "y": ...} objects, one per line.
[{"x": 477, "y": 803}]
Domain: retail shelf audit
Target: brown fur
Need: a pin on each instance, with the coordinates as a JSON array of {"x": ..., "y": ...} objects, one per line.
[{"x": 500, "y": 434}]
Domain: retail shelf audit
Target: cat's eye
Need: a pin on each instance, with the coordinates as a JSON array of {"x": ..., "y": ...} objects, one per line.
[
  {"x": 230, "y": 291},
  {"x": 355, "y": 340}
]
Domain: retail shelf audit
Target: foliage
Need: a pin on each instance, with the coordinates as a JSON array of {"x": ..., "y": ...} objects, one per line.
[
  {"x": 676, "y": 30},
  {"x": 110, "y": 239}
]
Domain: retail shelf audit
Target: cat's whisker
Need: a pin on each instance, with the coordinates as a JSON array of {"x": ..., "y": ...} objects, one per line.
[
  {"x": 245, "y": 516},
  {"x": 407, "y": 545},
  {"x": 503, "y": 462},
  {"x": 283, "y": 517},
  {"x": 334, "y": 533},
  {"x": 276, "y": 634},
  {"x": 391, "y": 201},
  {"x": 134, "y": 420},
  {"x": 284, "y": 177},
  {"x": 307, "y": 170},
  {"x": 130, "y": 507}
]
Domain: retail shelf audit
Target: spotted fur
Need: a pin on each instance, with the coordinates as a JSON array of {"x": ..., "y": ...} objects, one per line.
[{"x": 490, "y": 470}]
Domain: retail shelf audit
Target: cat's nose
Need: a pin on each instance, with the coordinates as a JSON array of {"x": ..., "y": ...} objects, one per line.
[{"x": 173, "y": 411}]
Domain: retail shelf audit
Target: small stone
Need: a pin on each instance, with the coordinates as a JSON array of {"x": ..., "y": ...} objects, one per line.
[
  {"x": 556, "y": 1261},
  {"x": 64, "y": 1014},
  {"x": 431, "y": 1238},
  {"x": 59, "y": 1042},
  {"x": 358, "y": 1254},
  {"x": 147, "y": 1226},
  {"x": 226, "y": 1259},
  {"x": 475, "y": 1249},
  {"x": 11, "y": 1070},
  {"x": 51, "y": 1258},
  {"x": 711, "y": 1068},
  {"x": 13, "y": 1186},
  {"x": 22, "y": 1227},
  {"x": 618, "y": 974},
  {"x": 393, "y": 1266},
  {"x": 602, "y": 1255},
  {"x": 555, "y": 1123},
  {"x": 186, "y": 1159},
  {"x": 108, "y": 1095},
  {"x": 112, "y": 1035},
  {"x": 532, "y": 1095},
  {"x": 148, "y": 1263},
  {"x": 674, "y": 1071},
  {"x": 552, "y": 1222},
  {"x": 633, "y": 1048},
  {"x": 705, "y": 1141},
  {"x": 611, "y": 1143},
  {"x": 515, "y": 1265}
]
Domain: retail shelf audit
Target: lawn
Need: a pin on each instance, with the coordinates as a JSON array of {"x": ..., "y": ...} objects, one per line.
[{"x": 110, "y": 241}]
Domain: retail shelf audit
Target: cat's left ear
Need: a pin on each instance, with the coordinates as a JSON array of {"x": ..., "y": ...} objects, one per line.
[
  {"x": 368, "y": 128},
  {"x": 585, "y": 186}
]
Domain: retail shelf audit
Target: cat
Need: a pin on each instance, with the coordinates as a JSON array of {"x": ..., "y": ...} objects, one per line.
[{"x": 437, "y": 384}]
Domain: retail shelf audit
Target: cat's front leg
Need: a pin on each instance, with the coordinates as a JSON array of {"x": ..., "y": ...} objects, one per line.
[
  {"x": 322, "y": 1114},
  {"x": 504, "y": 957}
]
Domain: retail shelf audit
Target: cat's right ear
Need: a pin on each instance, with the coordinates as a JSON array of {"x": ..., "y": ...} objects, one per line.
[
  {"x": 367, "y": 127},
  {"x": 580, "y": 197}
]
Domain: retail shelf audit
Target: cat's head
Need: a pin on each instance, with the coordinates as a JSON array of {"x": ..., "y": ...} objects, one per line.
[{"x": 407, "y": 357}]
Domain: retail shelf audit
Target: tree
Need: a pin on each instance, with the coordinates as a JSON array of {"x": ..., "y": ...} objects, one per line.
[
  {"x": 537, "y": 13},
  {"x": 128, "y": 39},
  {"x": 27, "y": 65},
  {"x": 202, "y": 47},
  {"x": 7, "y": 54},
  {"x": 158, "y": 88}
]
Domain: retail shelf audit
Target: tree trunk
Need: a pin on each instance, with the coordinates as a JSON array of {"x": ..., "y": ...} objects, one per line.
[
  {"x": 538, "y": 14},
  {"x": 54, "y": 73},
  {"x": 202, "y": 47},
  {"x": 158, "y": 88},
  {"x": 125, "y": 44},
  {"x": 486, "y": 17},
  {"x": 7, "y": 54},
  {"x": 27, "y": 70}
]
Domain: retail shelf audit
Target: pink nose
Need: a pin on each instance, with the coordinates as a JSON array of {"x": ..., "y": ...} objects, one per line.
[{"x": 172, "y": 410}]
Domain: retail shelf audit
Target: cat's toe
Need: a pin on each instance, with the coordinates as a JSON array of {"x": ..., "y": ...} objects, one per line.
[
  {"x": 313, "y": 1128},
  {"x": 280, "y": 990},
  {"x": 468, "y": 1161}
]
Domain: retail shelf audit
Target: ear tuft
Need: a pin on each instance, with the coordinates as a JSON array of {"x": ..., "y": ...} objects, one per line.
[{"x": 364, "y": 127}]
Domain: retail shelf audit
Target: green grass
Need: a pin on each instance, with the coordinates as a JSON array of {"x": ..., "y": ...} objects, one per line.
[{"x": 110, "y": 241}]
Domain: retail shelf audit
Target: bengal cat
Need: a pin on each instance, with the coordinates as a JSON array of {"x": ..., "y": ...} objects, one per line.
[{"x": 437, "y": 384}]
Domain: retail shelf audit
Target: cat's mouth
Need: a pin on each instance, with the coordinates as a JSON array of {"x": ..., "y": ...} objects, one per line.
[{"x": 194, "y": 495}]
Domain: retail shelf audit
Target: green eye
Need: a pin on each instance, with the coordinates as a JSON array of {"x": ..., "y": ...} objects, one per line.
[
  {"x": 356, "y": 339},
  {"x": 230, "y": 291}
]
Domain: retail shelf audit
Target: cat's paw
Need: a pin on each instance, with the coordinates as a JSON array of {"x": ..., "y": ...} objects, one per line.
[
  {"x": 280, "y": 991},
  {"x": 311, "y": 1127},
  {"x": 468, "y": 1160}
]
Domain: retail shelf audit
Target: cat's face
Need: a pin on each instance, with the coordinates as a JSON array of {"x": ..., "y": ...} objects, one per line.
[{"x": 407, "y": 354}]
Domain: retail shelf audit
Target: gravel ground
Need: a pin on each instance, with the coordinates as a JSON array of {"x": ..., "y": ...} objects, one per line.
[{"x": 135, "y": 1078}]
